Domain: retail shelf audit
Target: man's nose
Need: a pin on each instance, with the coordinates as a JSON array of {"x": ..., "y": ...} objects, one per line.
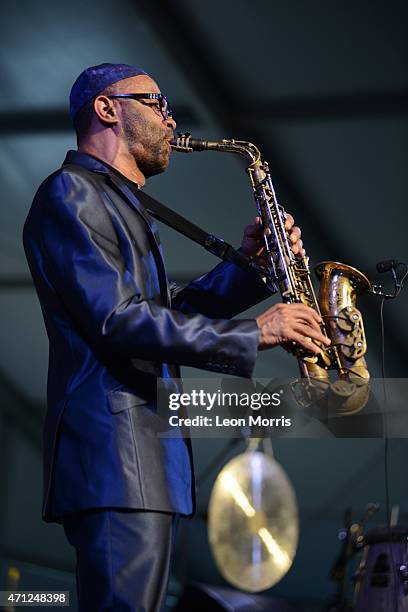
[{"x": 170, "y": 122}]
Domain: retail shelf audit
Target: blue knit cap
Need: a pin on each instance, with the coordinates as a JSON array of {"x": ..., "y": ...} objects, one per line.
[{"x": 93, "y": 80}]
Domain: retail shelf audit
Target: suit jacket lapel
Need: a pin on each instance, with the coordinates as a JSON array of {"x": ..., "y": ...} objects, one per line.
[
  {"x": 129, "y": 197},
  {"x": 96, "y": 165}
]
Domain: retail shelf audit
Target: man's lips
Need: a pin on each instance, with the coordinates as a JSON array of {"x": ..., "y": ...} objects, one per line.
[{"x": 168, "y": 140}]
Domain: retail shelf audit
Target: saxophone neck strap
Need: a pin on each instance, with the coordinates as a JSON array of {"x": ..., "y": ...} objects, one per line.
[{"x": 211, "y": 243}]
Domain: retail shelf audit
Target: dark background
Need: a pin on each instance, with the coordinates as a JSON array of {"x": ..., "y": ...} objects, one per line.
[{"x": 322, "y": 88}]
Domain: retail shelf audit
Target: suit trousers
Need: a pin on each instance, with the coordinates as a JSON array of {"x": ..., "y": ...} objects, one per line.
[{"x": 123, "y": 558}]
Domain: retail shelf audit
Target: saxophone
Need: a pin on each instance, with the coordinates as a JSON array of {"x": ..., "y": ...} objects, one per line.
[{"x": 340, "y": 285}]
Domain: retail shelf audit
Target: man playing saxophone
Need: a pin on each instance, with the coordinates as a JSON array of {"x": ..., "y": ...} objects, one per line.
[{"x": 115, "y": 326}]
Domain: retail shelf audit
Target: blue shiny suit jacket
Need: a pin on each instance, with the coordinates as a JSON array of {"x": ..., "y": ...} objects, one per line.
[{"x": 114, "y": 326}]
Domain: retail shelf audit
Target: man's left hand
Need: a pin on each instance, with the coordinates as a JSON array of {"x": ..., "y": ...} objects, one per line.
[{"x": 253, "y": 240}]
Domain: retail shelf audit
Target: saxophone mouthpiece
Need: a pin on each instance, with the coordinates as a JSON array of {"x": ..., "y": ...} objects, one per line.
[{"x": 184, "y": 143}]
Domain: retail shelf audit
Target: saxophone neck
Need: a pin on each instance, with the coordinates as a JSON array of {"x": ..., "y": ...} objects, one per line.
[{"x": 185, "y": 143}]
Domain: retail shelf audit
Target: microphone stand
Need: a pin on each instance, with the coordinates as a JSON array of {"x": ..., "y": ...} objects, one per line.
[{"x": 353, "y": 541}]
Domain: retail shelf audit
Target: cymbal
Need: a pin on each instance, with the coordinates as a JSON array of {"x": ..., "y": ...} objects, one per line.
[{"x": 253, "y": 525}]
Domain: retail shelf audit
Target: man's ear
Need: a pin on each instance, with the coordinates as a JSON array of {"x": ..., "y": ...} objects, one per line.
[{"x": 105, "y": 110}]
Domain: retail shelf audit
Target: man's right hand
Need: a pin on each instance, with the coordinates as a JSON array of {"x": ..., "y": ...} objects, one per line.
[{"x": 285, "y": 324}]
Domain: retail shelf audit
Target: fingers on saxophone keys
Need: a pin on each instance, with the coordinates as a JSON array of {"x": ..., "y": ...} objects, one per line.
[
  {"x": 312, "y": 338},
  {"x": 289, "y": 221},
  {"x": 319, "y": 337},
  {"x": 307, "y": 313},
  {"x": 298, "y": 249},
  {"x": 295, "y": 234},
  {"x": 254, "y": 230},
  {"x": 306, "y": 343}
]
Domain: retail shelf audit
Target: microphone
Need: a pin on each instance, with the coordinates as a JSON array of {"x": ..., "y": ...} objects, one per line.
[
  {"x": 390, "y": 265},
  {"x": 387, "y": 265}
]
